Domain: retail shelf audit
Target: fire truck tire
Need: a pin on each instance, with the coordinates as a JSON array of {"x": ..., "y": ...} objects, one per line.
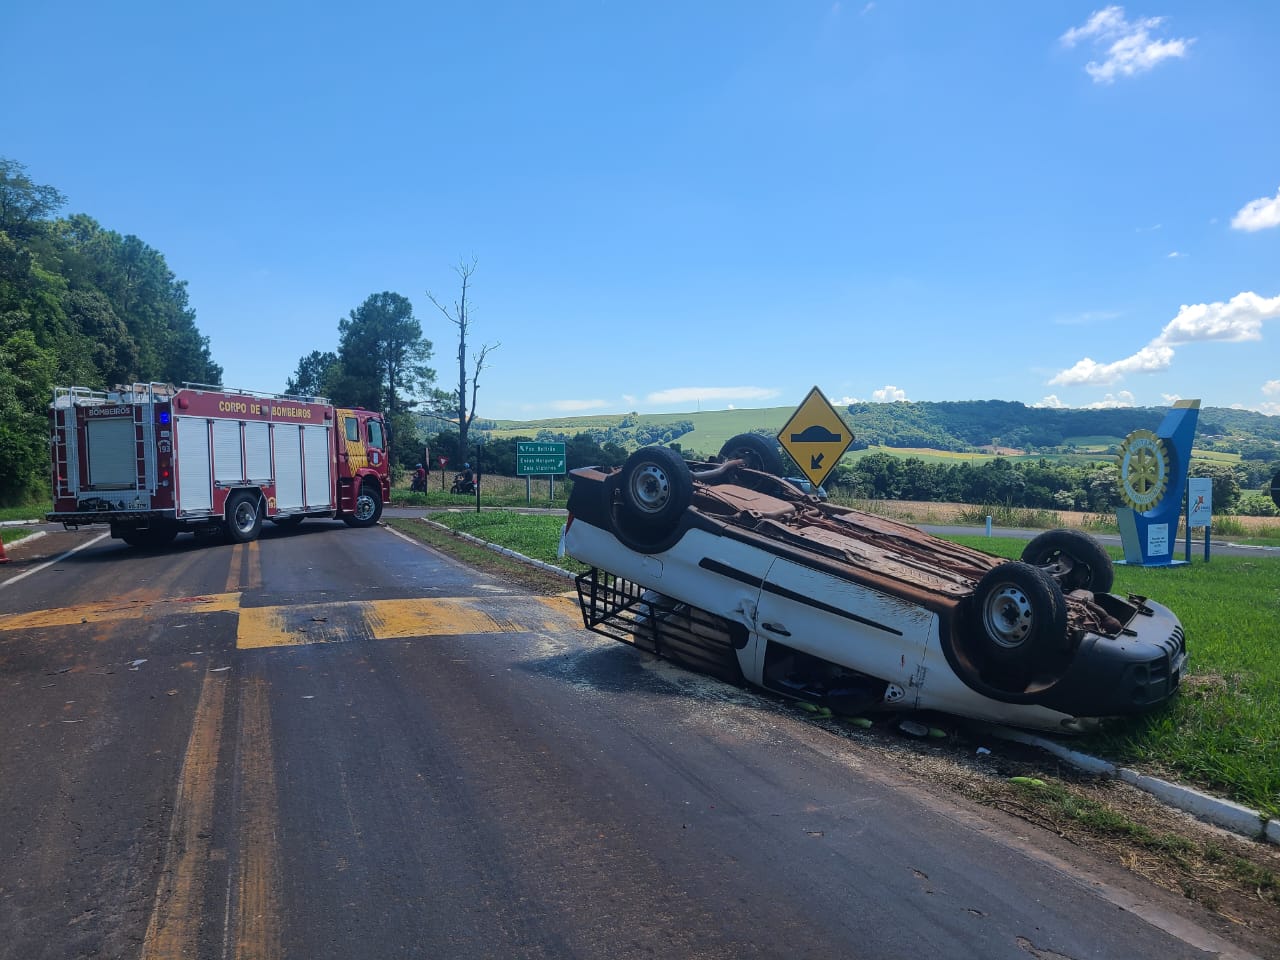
[
  {"x": 368, "y": 507},
  {"x": 244, "y": 519},
  {"x": 159, "y": 534}
]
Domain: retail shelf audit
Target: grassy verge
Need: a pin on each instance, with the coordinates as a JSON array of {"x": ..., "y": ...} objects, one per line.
[
  {"x": 1223, "y": 732},
  {"x": 495, "y": 491},
  {"x": 24, "y": 513}
]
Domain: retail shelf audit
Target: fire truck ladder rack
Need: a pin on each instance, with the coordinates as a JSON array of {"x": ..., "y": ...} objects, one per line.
[{"x": 259, "y": 394}]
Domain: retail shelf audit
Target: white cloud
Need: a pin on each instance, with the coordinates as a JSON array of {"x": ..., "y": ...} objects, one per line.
[
  {"x": 846, "y": 401},
  {"x": 1237, "y": 320},
  {"x": 575, "y": 406},
  {"x": 1129, "y": 46},
  {"x": 709, "y": 394},
  {"x": 1175, "y": 255},
  {"x": 1271, "y": 388},
  {"x": 888, "y": 394},
  {"x": 1258, "y": 214},
  {"x": 1170, "y": 398},
  {"x": 1051, "y": 402},
  {"x": 1111, "y": 401},
  {"x": 1270, "y": 409}
]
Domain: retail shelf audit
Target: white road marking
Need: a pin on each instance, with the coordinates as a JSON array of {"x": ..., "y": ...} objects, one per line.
[{"x": 50, "y": 563}]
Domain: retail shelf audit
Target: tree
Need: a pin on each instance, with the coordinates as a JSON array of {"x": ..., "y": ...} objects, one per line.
[
  {"x": 23, "y": 204},
  {"x": 317, "y": 374},
  {"x": 383, "y": 357},
  {"x": 460, "y": 317}
]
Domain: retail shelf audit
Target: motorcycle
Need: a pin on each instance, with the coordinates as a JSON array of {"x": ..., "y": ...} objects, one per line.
[
  {"x": 463, "y": 484},
  {"x": 419, "y": 484}
]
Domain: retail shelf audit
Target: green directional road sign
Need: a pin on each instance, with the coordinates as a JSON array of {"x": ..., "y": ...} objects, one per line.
[{"x": 539, "y": 459}]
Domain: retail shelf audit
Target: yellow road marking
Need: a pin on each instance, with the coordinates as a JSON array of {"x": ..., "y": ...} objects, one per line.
[
  {"x": 176, "y": 913},
  {"x": 245, "y": 571},
  {"x": 334, "y": 622},
  {"x": 365, "y": 620},
  {"x": 257, "y": 926},
  {"x": 105, "y": 610}
]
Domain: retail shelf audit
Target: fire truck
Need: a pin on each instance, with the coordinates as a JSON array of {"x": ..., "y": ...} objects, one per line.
[{"x": 152, "y": 460}]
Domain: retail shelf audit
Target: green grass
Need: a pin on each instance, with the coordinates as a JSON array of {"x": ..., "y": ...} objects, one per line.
[
  {"x": 1223, "y": 731},
  {"x": 534, "y": 535},
  {"x": 36, "y": 512}
]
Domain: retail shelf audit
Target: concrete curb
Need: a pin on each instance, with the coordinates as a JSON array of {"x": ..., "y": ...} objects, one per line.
[
  {"x": 27, "y": 539},
  {"x": 1221, "y": 813},
  {"x": 19, "y": 523}
]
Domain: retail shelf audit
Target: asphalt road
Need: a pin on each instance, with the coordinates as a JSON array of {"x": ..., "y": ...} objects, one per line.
[{"x": 335, "y": 743}]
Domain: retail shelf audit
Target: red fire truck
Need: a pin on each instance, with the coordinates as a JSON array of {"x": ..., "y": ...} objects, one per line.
[{"x": 152, "y": 460}]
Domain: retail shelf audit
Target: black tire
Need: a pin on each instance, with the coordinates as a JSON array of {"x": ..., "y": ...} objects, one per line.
[
  {"x": 760, "y": 453},
  {"x": 656, "y": 490},
  {"x": 133, "y": 538},
  {"x": 1073, "y": 558},
  {"x": 244, "y": 516},
  {"x": 368, "y": 506},
  {"x": 159, "y": 534},
  {"x": 1019, "y": 618}
]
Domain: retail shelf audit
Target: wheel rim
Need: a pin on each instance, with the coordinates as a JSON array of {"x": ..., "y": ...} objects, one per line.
[
  {"x": 1008, "y": 616},
  {"x": 364, "y": 506},
  {"x": 650, "y": 488},
  {"x": 245, "y": 514}
]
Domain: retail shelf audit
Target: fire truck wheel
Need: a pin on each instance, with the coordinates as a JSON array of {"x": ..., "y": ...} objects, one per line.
[
  {"x": 244, "y": 519},
  {"x": 159, "y": 534},
  {"x": 368, "y": 507}
]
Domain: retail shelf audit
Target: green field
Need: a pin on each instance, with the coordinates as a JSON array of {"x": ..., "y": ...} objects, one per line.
[{"x": 1221, "y": 732}]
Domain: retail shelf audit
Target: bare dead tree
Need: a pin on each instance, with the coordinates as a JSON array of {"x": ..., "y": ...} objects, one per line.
[{"x": 460, "y": 317}]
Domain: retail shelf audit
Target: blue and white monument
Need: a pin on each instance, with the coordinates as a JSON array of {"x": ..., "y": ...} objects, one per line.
[{"x": 1153, "y": 482}]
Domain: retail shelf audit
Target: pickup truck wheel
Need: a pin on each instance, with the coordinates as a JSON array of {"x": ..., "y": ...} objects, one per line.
[
  {"x": 368, "y": 507},
  {"x": 1021, "y": 618},
  {"x": 244, "y": 519},
  {"x": 656, "y": 489},
  {"x": 760, "y": 453},
  {"x": 1073, "y": 558}
]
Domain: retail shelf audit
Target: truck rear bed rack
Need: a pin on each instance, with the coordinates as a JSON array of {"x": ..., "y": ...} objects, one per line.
[{"x": 626, "y": 612}]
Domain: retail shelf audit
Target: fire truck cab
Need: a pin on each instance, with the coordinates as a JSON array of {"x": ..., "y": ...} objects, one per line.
[{"x": 153, "y": 460}]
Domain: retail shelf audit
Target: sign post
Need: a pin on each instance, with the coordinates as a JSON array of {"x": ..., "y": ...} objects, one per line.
[
  {"x": 815, "y": 437},
  {"x": 1199, "y": 511}
]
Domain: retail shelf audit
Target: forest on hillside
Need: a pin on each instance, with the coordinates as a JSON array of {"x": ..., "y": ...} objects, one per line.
[{"x": 79, "y": 304}]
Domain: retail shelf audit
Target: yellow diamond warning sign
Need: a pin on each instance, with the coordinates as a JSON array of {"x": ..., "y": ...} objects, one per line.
[{"x": 816, "y": 437}]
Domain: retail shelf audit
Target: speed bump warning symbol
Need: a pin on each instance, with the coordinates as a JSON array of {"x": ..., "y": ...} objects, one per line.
[{"x": 815, "y": 437}]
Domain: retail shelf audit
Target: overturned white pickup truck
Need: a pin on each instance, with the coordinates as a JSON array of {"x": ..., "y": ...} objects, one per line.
[{"x": 735, "y": 572}]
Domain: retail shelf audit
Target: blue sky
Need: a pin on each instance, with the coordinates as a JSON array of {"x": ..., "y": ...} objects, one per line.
[{"x": 680, "y": 206}]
